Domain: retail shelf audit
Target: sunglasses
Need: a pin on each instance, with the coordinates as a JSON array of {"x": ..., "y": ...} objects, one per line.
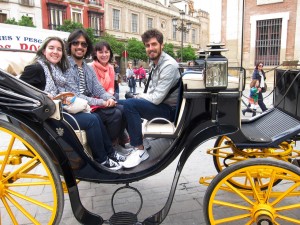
[
  {"x": 77, "y": 43},
  {"x": 261, "y": 65}
]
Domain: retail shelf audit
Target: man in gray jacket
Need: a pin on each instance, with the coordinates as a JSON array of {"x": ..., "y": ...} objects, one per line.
[{"x": 159, "y": 98}]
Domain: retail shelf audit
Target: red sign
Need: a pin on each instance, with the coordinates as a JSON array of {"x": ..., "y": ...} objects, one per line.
[{"x": 125, "y": 54}]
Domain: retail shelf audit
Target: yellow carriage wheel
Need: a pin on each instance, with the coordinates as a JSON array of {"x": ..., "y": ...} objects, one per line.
[
  {"x": 226, "y": 154},
  {"x": 277, "y": 204},
  {"x": 30, "y": 187}
]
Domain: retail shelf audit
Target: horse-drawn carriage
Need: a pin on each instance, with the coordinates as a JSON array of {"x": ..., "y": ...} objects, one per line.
[{"x": 41, "y": 153}]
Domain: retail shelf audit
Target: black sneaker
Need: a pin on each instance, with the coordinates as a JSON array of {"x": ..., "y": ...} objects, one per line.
[
  {"x": 111, "y": 164},
  {"x": 117, "y": 157}
]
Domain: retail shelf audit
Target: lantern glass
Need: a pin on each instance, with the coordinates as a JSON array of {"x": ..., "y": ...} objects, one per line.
[{"x": 216, "y": 74}]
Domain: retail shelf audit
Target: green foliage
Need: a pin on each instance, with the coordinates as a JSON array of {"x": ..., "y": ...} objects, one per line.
[
  {"x": 188, "y": 53},
  {"x": 25, "y": 21},
  {"x": 11, "y": 21},
  {"x": 69, "y": 26},
  {"x": 169, "y": 49},
  {"x": 136, "y": 50},
  {"x": 116, "y": 46}
]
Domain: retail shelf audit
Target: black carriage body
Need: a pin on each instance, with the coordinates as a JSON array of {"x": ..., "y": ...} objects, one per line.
[
  {"x": 196, "y": 126},
  {"x": 287, "y": 92},
  {"x": 203, "y": 115}
]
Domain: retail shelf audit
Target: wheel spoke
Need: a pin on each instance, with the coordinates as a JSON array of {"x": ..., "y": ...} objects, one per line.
[
  {"x": 18, "y": 170},
  {"x": 9, "y": 148},
  {"x": 276, "y": 203},
  {"x": 39, "y": 203},
  {"x": 30, "y": 185},
  {"x": 232, "y": 219},
  {"x": 8, "y": 209},
  {"x": 15, "y": 203}
]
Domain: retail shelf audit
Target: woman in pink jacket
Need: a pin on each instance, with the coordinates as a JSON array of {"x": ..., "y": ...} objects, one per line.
[{"x": 113, "y": 118}]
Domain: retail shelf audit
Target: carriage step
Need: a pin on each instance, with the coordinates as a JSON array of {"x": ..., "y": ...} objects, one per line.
[{"x": 124, "y": 218}]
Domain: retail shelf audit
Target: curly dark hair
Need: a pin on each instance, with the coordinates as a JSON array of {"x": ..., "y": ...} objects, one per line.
[
  {"x": 153, "y": 33},
  {"x": 99, "y": 46},
  {"x": 74, "y": 36}
]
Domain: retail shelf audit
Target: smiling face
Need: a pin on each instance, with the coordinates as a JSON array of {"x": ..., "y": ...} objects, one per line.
[
  {"x": 79, "y": 48},
  {"x": 103, "y": 56},
  {"x": 153, "y": 49},
  {"x": 53, "y": 51}
]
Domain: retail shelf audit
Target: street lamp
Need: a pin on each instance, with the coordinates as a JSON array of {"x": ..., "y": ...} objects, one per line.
[{"x": 184, "y": 28}]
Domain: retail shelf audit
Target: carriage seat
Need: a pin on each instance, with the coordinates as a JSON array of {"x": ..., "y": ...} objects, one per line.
[
  {"x": 194, "y": 80},
  {"x": 191, "y": 80},
  {"x": 267, "y": 130}
]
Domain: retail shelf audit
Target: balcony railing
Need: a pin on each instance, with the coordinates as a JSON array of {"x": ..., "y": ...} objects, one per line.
[
  {"x": 26, "y": 2},
  {"x": 95, "y": 2}
]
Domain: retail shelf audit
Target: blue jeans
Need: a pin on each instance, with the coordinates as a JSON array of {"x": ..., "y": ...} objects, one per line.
[
  {"x": 132, "y": 89},
  {"x": 96, "y": 134},
  {"x": 135, "y": 109}
]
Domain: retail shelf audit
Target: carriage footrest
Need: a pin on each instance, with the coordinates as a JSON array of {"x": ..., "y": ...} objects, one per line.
[{"x": 123, "y": 218}]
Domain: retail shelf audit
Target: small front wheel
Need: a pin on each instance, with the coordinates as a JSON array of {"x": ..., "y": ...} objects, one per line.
[
  {"x": 30, "y": 187},
  {"x": 278, "y": 204}
]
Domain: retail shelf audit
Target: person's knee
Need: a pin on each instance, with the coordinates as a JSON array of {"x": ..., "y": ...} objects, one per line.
[
  {"x": 130, "y": 104},
  {"x": 92, "y": 121}
]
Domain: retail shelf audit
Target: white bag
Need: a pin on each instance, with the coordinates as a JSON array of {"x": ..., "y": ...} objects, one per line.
[{"x": 76, "y": 105}]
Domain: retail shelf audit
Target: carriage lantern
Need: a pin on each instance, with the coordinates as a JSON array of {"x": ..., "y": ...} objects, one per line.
[{"x": 216, "y": 66}]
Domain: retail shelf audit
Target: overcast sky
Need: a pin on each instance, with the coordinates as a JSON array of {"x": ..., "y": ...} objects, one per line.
[
  {"x": 202, "y": 4},
  {"x": 213, "y": 8}
]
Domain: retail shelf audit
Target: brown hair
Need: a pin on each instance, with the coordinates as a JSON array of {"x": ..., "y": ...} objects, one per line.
[
  {"x": 253, "y": 82},
  {"x": 153, "y": 33}
]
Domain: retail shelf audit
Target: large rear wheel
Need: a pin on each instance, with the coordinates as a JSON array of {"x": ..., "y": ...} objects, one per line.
[
  {"x": 278, "y": 204},
  {"x": 30, "y": 187}
]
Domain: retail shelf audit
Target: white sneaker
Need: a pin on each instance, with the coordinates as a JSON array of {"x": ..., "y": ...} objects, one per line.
[
  {"x": 124, "y": 151},
  {"x": 146, "y": 144},
  {"x": 111, "y": 164},
  {"x": 136, "y": 157}
]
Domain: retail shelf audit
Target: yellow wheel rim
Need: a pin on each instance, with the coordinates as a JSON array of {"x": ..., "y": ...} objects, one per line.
[
  {"x": 278, "y": 204},
  {"x": 28, "y": 190},
  {"x": 226, "y": 154}
]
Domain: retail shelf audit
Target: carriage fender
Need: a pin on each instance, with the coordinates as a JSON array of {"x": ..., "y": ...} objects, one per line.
[{"x": 195, "y": 138}]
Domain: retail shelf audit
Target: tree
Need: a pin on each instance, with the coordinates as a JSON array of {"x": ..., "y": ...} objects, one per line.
[
  {"x": 169, "y": 49},
  {"x": 69, "y": 26},
  {"x": 188, "y": 53},
  {"x": 25, "y": 21},
  {"x": 116, "y": 46},
  {"x": 11, "y": 21},
  {"x": 136, "y": 50}
]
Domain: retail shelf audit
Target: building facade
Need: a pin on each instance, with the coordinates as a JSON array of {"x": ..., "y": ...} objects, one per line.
[
  {"x": 10, "y": 9},
  {"x": 127, "y": 19},
  {"x": 122, "y": 18},
  {"x": 90, "y": 13},
  {"x": 261, "y": 30}
]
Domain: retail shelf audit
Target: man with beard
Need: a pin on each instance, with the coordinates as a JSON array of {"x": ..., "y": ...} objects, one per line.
[
  {"x": 87, "y": 86},
  {"x": 159, "y": 98}
]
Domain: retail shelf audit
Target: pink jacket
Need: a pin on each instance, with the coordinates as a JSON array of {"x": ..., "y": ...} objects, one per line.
[{"x": 106, "y": 76}]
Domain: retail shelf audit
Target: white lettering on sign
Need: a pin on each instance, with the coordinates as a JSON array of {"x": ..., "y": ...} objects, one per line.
[
  {"x": 25, "y": 38},
  {"x": 265, "y": 2}
]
